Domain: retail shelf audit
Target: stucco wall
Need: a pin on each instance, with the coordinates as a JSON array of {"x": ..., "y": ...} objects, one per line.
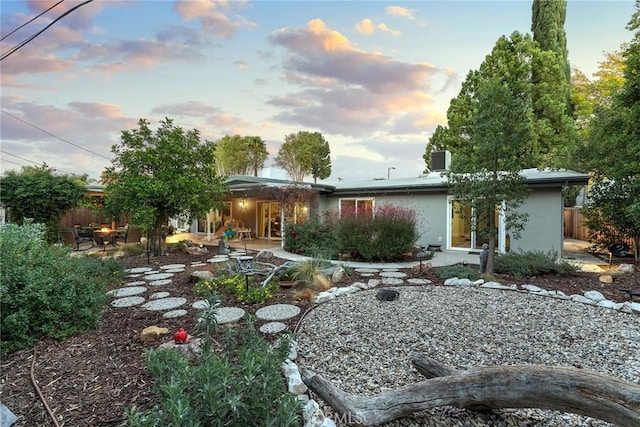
[{"x": 544, "y": 230}]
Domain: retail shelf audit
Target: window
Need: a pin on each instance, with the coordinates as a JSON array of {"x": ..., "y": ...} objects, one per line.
[{"x": 356, "y": 207}]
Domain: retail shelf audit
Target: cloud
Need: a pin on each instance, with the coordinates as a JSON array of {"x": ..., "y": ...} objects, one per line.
[
  {"x": 402, "y": 12},
  {"x": 191, "y": 108},
  {"x": 367, "y": 27},
  {"x": 214, "y": 15}
]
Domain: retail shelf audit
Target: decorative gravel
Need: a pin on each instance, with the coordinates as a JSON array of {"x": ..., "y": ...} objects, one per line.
[
  {"x": 229, "y": 315},
  {"x": 158, "y": 276},
  {"x": 127, "y": 292},
  {"x": 277, "y": 312},
  {"x": 419, "y": 281},
  {"x": 175, "y": 313},
  {"x": 392, "y": 281},
  {"x": 464, "y": 328},
  {"x": 127, "y": 302},
  {"x": 164, "y": 303}
]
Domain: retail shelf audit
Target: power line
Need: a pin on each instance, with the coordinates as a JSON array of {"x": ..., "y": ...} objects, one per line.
[
  {"x": 31, "y": 161},
  {"x": 29, "y": 39},
  {"x": 55, "y": 136},
  {"x": 31, "y": 20}
]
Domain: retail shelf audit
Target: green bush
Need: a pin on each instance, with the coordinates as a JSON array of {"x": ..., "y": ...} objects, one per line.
[
  {"x": 458, "y": 270},
  {"x": 46, "y": 293},
  {"x": 237, "y": 286},
  {"x": 532, "y": 263},
  {"x": 241, "y": 386},
  {"x": 314, "y": 238}
]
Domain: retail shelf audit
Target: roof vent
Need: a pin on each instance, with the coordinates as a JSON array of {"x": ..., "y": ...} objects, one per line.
[{"x": 440, "y": 161}]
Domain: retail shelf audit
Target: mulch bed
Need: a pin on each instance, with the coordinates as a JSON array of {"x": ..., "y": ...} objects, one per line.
[{"x": 90, "y": 379}]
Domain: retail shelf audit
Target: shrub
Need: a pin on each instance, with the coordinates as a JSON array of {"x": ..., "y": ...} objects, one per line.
[
  {"x": 309, "y": 273},
  {"x": 236, "y": 285},
  {"x": 458, "y": 270},
  {"x": 241, "y": 386},
  {"x": 46, "y": 293},
  {"x": 532, "y": 263},
  {"x": 313, "y": 238}
]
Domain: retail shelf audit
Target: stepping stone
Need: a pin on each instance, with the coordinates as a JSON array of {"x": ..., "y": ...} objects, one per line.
[
  {"x": 152, "y": 272},
  {"x": 367, "y": 274},
  {"x": 366, "y": 270},
  {"x": 164, "y": 303},
  {"x": 419, "y": 281},
  {"x": 200, "y": 304},
  {"x": 160, "y": 282},
  {"x": 138, "y": 270},
  {"x": 229, "y": 315},
  {"x": 272, "y": 327},
  {"x": 278, "y": 312},
  {"x": 127, "y": 292},
  {"x": 390, "y": 269},
  {"x": 392, "y": 281},
  {"x": 174, "y": 313},
  {"x": 216, "y": 260},
  {"x": 137, "y": 283},
  {"x": 174, "y": 270},
  {"x": 159, "y": 295},
  {"x": 172, "y": 266},
  {"x": 127, "y": 301},
  {"x": 158, "y": 276},
  {"x": 198, "y": 264},
  {"x": 133, "y": 276},
  {"x": 396, "y": 274}
]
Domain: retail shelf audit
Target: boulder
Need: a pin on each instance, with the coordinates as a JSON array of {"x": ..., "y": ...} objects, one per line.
[
  {"x": 606, "y": 279},
  {"x": 152, "y": 333}
]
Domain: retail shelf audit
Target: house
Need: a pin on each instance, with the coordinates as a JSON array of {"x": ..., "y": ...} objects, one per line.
[{"x": 255, "y": 205}]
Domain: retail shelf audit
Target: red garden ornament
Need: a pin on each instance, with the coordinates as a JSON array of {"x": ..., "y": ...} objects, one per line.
[{"x": 181, "y": 337}]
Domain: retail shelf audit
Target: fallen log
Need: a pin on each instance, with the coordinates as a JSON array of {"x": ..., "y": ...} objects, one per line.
[{"x": 565, "y": 389}]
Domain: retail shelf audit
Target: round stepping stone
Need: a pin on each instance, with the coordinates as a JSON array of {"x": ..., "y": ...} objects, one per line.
[
  {"x": 396, "y": 274},
  {"x": 137, "y": 283},
  {"x": 229, "y": 314},
  {"x": 174, "y": 313},
  {"x": 419, "y": 281},
  {"x": 138, "y": 270},
  {"x": 159, "y": 295},
  {"x": 172, "y": 266},
  {"x": 200, "y": 304},
  {"x": 392, "y": 281},
  {"x": 216, "y": 260},
  {"x": 127, "y": 292},
  {"x": 198, "y": 264},
  {"x": 127, "y": 301},
  {"x": 367, "y": 274},
  {"x": 158, "y": 276},
  {"x": 390, "y": 269},
  {"x": 174, "y": 270},
  {"x": 152, "y": 272},
  {"x": 272, "y": 327},
  {"x": 278, "y": 312},
  {"x": 366, "y": 270},
  {"x": 133, "y": 276},
  {"x": 160, "y": 282},
  {"x": 164, "y": 303}
]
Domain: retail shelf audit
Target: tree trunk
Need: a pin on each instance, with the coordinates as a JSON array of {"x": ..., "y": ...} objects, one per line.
[{"x": 532, "y": 386}]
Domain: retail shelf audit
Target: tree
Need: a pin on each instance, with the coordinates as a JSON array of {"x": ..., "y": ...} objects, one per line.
[
  {"x": 38, "y": 194},
  {"x": 305, "y": 153},
  {"x": 486, "y": 175},
  {"x": 157, "y": 176},
  {"x": 613, "y": 151},
  {"x": 240, "y": 155}
]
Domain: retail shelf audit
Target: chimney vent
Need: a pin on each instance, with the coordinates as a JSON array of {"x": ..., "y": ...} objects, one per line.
[{"x": 440, "y": 161}]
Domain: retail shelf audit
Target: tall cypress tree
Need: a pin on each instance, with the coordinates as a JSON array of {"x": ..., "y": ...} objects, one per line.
[{"x": 547, "y": 25}]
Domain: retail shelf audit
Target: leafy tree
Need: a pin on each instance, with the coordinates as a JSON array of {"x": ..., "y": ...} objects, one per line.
[
  {"x": 37, "y": 193},
  {"x": 614, "y": 154},
  {"x": 547, "y": 26},
  {"x": 486, "y": 176},
  {"x": 240, "y": 155},
  {"x": 305, "y": 153},
  {"x": 157, "y": 176}
]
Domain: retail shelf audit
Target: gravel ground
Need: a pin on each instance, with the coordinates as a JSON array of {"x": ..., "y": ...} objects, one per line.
[{"x": 464, "y": 328}]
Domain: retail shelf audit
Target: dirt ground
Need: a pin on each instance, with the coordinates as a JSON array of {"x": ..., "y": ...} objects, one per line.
[{"x": 90, "y": 379}]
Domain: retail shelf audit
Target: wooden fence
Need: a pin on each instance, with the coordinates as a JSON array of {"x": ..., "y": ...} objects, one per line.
[
  {"x": 85, "y": 216},
  {"x": 574, "y": 227}
]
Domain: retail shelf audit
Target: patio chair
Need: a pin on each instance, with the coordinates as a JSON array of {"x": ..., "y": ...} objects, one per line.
[
  {"x": 133, "y": 235},
  {"x": 100, "y": 240},
  {"x": 70, "y": 237}
]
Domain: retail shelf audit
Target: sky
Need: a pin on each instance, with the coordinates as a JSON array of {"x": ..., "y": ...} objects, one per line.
[{"x": 374, "y": 77}]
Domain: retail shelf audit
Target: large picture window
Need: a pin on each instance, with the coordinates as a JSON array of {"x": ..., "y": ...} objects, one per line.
[
  {"x": 357, "y": 206},
  {"x": 468, "y": 228}
]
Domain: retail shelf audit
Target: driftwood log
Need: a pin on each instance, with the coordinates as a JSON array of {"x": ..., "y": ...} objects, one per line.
[{"x": 564, "y": 389}]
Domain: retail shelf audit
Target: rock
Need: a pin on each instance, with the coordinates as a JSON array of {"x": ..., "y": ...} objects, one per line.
[
  {"x": 152, "y": 333},
  {"x": 264, "y": 255},
  {"x": 294, "y": 380},
  {"x": 195, "y": 250},
  {"x": 606, "y": 279},
  {"x": 313, "y": 416},
  {"x": 338, "y": 274},
  {"x": 191, "y": 349},
  {"x": 532, "y": 288},
  {"x": 582, "y": 299},
  {"x": 7, "y": 418},
  {"x": 626, "y": 268},
  {"x": 199, "y": 275},
  {"x": 387, "y": 295},
  {"x": 594, "y": 295}
]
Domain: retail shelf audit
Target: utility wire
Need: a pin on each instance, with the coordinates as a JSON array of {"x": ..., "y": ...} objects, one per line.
[
  {"x": 31, "y": 161},
  {"x": 55, "y": 136},
  {"x": 31, "y": 20},
  {"x": 29, "y": 39}
]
